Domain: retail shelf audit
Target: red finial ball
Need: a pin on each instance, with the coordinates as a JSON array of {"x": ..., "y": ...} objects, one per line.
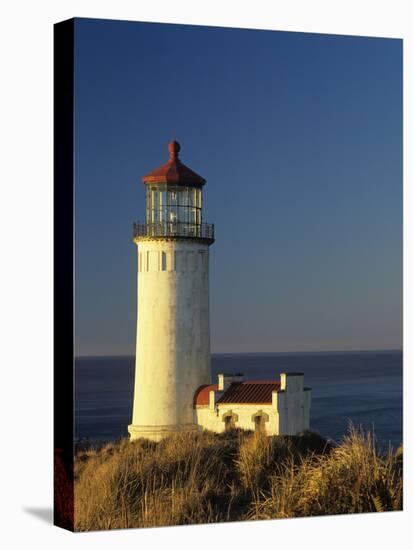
[{"x": 174, "y": 149}]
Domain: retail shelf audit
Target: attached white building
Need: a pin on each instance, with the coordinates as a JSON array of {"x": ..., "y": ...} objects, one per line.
[{"x": 261, "y": 405}]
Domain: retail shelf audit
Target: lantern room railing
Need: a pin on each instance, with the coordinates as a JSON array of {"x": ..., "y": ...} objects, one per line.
[{"x": 174, "y": 229}]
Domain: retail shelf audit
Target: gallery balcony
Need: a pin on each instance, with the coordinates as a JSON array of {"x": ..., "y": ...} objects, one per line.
[{"x": 171, "y": 230}]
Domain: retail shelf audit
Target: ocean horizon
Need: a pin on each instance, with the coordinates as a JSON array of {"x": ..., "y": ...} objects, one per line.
[
  {"x": 363, "y": 387},
  {"x": 305, "y": 352}
]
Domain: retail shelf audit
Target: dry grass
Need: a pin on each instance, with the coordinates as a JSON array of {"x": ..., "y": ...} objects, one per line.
[
  {"x": 206, "y": 478},
  {"x": 352, "y": 478}
]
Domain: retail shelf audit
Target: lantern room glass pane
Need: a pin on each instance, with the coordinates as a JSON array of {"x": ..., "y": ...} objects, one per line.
[
  {"x": 192, "y": 197},
  {"x": 192, "y": 215},
  {"x": 183, "y": 214},
  {"x": 173, "y": 198},
  {"x": 173, "y": 210},
  {"x": 173, "y": 214},
  {"x": 183, "y": 197}
]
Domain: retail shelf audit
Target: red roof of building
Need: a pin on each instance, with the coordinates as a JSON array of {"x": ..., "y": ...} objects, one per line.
[
  {"x": 259, "y": 392},
  {"x": 174, "y": 171},
  {"x": 251, "y": 391},
  {"x": 201, "y": 396}
]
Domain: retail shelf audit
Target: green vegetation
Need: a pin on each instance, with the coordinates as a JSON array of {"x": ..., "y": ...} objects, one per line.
[{"x": 204, "y": 478}]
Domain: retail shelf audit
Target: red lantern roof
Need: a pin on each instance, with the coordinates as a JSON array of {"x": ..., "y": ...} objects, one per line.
[{"x": 174, "y": 171}]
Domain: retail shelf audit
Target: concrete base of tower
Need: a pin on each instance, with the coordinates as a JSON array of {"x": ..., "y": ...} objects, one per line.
[{"x": 156, "y": 433}]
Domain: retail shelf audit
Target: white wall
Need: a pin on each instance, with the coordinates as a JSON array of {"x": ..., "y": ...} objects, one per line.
[
  {"x": 293, "y": 404},
  {"x": 173, "y": 343},
  {"x": 214, "y": 420}
]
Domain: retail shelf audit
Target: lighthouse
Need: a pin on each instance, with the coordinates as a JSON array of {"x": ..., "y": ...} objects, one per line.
[{"x": 173, "y": 340}]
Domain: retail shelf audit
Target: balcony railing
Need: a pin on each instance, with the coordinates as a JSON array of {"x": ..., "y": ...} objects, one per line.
[{"x": 174, "y": 229}]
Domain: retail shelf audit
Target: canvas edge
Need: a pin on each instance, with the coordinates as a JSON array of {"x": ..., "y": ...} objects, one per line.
[{"x": 63, "y": 247}]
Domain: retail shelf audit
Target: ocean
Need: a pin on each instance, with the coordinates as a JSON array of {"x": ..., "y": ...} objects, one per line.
[{"x": 362, "y": 387}]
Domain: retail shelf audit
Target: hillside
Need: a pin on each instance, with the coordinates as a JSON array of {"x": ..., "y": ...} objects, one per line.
[{"x": 205, "y": 478}]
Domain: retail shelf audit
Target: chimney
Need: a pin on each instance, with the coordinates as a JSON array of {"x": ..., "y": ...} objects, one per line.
[
  {"x": 225, "y": 380},
  {"x": 292, "y": 381},
  {"x": 212, "y": 400}
]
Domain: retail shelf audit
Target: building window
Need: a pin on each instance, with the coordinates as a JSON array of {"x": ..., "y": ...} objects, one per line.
[
  {"x": 163, "y": 262},
  {"x": 229, "y": 423},
  {"x": 259, "y": 419},
  {"x": 230, "y": 420},
  {"x": 259, "y": 424}
]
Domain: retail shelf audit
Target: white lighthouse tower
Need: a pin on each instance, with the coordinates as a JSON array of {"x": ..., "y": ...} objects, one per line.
[{"x": 173, "y": 342}]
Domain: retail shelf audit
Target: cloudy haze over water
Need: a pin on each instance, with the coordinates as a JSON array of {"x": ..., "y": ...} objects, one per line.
[{"x": 300, "y": 139}]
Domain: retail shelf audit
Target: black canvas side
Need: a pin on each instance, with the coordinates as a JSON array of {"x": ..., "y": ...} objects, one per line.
[{"x": 63, "y": 273}]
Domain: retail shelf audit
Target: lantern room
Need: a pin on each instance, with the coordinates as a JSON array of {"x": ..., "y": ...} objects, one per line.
[
  {"x": 173, "y": 204},
  {"x": 174, "y": 201}
]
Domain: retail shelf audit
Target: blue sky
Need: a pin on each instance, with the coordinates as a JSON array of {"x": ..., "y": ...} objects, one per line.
[{"x": 300, "y": 139}]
